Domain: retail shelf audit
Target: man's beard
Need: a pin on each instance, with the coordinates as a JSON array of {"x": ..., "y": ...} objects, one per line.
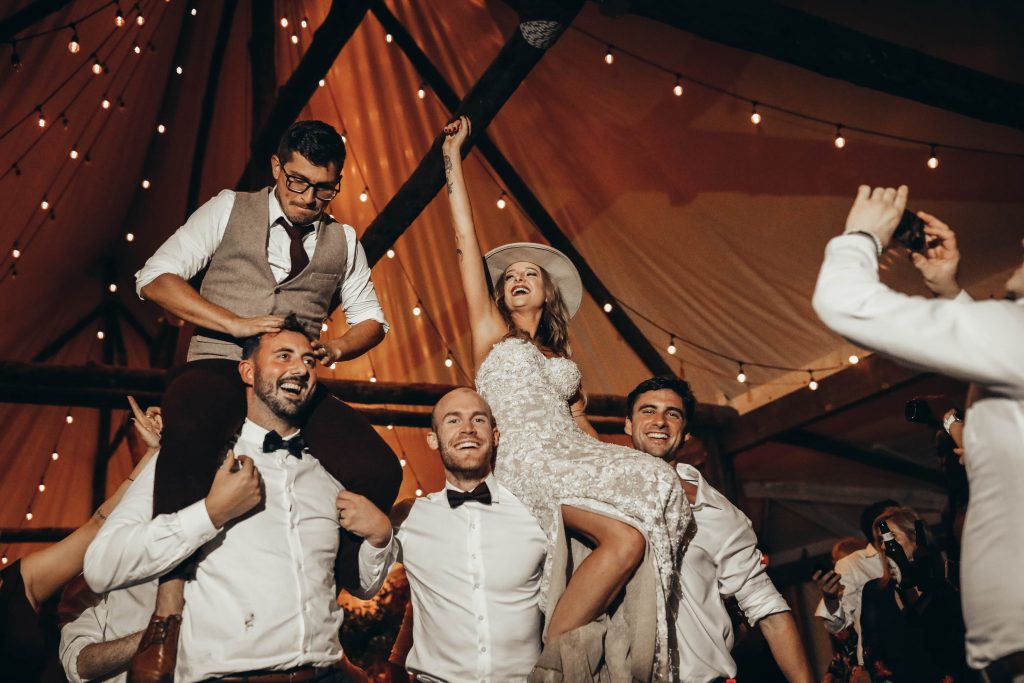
[
  {"x": 462, "y": 472},
  {"x": 266, "y": 391}
]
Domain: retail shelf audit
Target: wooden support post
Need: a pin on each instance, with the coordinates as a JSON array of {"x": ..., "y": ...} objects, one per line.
[
  {"x": 339, "y": 25},
  {"x": 262, "y": 64}
]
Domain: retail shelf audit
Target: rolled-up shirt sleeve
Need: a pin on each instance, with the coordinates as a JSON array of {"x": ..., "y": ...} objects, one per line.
[
  {"x": 374, "y": 565},
  {"x": 76, "y": 636},
  {"x": 133, "y": 546},
  {"x": 358, "y": 297},
  {"x": 741, "y": 573},
  {"x": 974, "y": 341},
  {"x": 191, "y": 247}
]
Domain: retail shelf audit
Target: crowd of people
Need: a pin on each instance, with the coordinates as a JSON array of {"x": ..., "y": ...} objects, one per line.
[{"x": 549, "y": 555}]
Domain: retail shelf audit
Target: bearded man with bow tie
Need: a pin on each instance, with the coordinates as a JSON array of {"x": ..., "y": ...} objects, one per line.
[
  {"x": 263, "y": 605},
  {"x": 474, "y": 556}
]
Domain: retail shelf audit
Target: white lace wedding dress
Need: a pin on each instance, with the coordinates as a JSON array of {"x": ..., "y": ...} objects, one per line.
[{"x": 546, "y": 460}]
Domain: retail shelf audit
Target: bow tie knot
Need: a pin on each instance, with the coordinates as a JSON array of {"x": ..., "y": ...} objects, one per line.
[
  {"x": 275, "y": 442},
  {"x": 481, "y": 494}
]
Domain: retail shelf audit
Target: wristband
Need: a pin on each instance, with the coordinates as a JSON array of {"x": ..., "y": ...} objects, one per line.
[
  {"x": 874, "y": 238},
  {"x": 949, "y": 421}
]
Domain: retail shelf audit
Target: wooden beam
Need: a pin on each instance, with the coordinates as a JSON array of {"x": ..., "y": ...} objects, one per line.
[
  {"x": 39, "y": 535},
  {"x": 822, "y": 517},
  {"x": 864, "y": 456},
  {"x": 841, "y": 494},
  {"x": 836, "y": 51},
  {"x": 220, "y": 46},
  {"x": 338, "y": 26},
  {"x": 524, "y": 196},
  {"x": 481, "y": 104},
  {"x": 874, "y": 375},
  {"x": 12, "y": 25}
]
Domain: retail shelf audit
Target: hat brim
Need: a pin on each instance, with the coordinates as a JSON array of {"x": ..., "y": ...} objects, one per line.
[{"x": 555, "y": 263}]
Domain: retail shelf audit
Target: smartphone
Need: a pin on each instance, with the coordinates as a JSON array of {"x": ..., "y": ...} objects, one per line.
[{"x": 910, "y": 232}]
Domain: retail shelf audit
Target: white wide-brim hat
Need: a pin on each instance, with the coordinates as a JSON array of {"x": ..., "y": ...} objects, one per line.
[{"x": 555, "y": 263}]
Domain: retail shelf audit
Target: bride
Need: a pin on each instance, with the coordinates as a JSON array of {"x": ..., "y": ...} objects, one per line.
[{"x": 625, "y": 503}]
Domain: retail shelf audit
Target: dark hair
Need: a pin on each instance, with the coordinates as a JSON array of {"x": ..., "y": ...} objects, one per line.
[
  {"x": 871, "y": 513},
  {"x": 315, "y": 140},
  {"x": 553, "y": 329},
  {"x": 291, "y": 324},
  {"x": 681, "y": 387}
]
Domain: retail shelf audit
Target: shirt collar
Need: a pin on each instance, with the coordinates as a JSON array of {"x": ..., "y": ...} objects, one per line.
[
  {"x": 692, "y": 475},
  {"x": 492, "y": 486},
  {"x": 277, "y": 213},
  {"x": 254, "y": 433}
]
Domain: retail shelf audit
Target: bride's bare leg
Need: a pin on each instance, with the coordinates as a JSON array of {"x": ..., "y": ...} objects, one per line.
[{"x": 599, "y": 578}]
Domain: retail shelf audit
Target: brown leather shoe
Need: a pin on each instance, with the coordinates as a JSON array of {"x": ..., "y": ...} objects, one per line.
[{"x": 158, "y": 651}]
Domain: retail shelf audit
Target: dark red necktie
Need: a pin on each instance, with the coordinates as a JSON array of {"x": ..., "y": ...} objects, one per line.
[{"x": 300, "y": 259}]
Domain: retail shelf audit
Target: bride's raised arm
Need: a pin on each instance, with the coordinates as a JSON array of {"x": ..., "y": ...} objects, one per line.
[{"x": 486, "y": 323}]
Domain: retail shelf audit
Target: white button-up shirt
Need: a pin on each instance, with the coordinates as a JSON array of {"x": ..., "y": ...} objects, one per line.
[
  {"x": 264, "y": 594},
  {"x": 855, "y": 570},
  {"x": 191, "y": 247},
  {"x": 721, "y": 561},
  {"x": 118, "y": 614},
  {"x": 474, "y": 572},
  {"x": 975, "y": 341}
]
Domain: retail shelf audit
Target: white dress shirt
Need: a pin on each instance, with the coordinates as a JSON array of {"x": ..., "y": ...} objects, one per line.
[
  {"x": 191, "y": 247},
  {"x": 855, "y": 570},
  {"x": 264, "y": 594},
  {"x": 721, "y": 561},
  {"x": 975, "y": 341},
  {"x": 474, "y": 572},
  {"x": 118, "y": 614}
]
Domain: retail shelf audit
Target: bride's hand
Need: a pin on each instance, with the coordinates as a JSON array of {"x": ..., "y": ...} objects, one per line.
[{"x": 456, "y": 133}]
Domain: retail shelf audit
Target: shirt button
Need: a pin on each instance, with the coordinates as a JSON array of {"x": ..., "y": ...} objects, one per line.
[
  {"x": 480, "y": 617},
  {"x": 473, "y": 556},
  {"x": 483, "y": 649},
  {"x": 476, "y": 585}
]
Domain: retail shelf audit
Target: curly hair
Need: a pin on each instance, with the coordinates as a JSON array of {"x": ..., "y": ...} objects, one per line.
[{"x": 553, "y": 330}]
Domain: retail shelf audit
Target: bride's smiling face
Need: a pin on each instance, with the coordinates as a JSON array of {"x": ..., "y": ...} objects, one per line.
[{"x": 523, "y": 286}]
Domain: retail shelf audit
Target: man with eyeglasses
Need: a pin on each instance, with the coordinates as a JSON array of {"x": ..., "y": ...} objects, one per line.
[{"x": 265, "y": 253}]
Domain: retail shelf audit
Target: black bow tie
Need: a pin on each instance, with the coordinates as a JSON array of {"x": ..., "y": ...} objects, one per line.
[
  {"x": 480, "y": 494},
  {"x": 273, "y": 442}
]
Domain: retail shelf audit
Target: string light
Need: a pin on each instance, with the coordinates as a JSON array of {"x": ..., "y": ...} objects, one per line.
[
  {"x": 139, "y": 19},
  {"x": 69, "y": 418},
  {"x": 417, "y": 309},
  {"x": 137, "y": 49},
  {"x": 677, "y": 90},
  {"x": 295, "y": 39},
  {"x": 28, "y": 515},
  {"x": 74, "y": 45},
  {"x": 97, "y": 67},
  {"x": 364, "y": 195},
  {"x": 609, "y": 58},
  {"x": 42, "y": 487},
  {"x": 129, "y": 237},
  {"x": 933, "y": 160},
  {"x": 388, "y": 38},
  {"x": 840, "y": 141},
  {"x": 15, "y": 252},
  {"x": 391, "y": 253},
  {"x": 419, "y": 492},
  {"x": 119, "y": 17},
  {"x": 112, "y": 288},
  {"x": 402, "y": 462},
  {"x": 755, "y": 116},
  {"x": 303, "y": 22},
  {"x": 672, "y": 346},
  {"x": 422, "y": 92},
  {"x": 812, "y": 384},
  {"x": 333, "y": 366},
  {"x": 145, "y": 184},
  {"x": 501, "y": 201},
  {"x": 284, "y": 22},
  {"x": 178, "y": 70},
  {"x": 99, "y": 334},
  {"x": 55, "y": 456},
  {"x": 322, "y": 82},
  {"x": 390, "y": 427},
  {"x": 373, "y": 379},
  {"x": 42, "y": 119},
  {"x": 161, "y": 128},
  {"x": 607, "y": 308},
  {"x": 741, "y": 376},
  {"x": 448, "y": 362},
  {"x": 44, "y": 205},
  {"x": 73, "y": 153},
  {"x": 323, "y": 327},
  {"x": 3, "y": 560},
  {"x": 853, "y": 359},
  {"x": 193, "y": 11},
  {"x": 105, "y": 103}
]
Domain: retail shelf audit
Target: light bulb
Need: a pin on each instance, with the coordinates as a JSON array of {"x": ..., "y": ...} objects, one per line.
[
  {"x": 99, "y": 334},
  {"x": 755, "y": 116},
  {"x": 373, "y": 378},
  {"x": 607, "y": 308},
  {"x": 322, "y": 83},
  {"x": 295, "y": 39},
  {"x": 97, "y": 68},
  {"x": 933, "y": 161},
  {"x": 677, "y": 90},
  {"x": 672, "y": 347},
  {"x": 448, "y": 362},
  {"x": 390, "y": 427},
  {"x": 501, "y": 201},
  {"x": 840, "y": 141},
  {"x": 15, "y": 253},
  {"x": 119, "y": 18},
  {"x": 28, "y": 515},
  {"x": 402, "y": 462},
  {"x": 419, "y": 492},
  {"x": 145, "y": 184},
  {"x": 421, "y": 93},
  {"x": 112, "y": 288},
  {"x": 416, "y": 310},
  {"x": 364, "y": 195},
  {"x": 140, "y": 20},
  {"x": 129, "y": 237},
  {"x": 69, "y": 418},
  {"x": 853, "y": 359},
  {"x": 42, "y": 119},
  {"x": 105, "y": 103},
  {"x": 137, "y": 49},
  {"x": 609, "y": 58},
  {"x": 73, "y": 45},
  {"x": 44, "y": 205},
  {"x": 161, "y": 128},
  {"x": 178, "y": 70},
  {"x": 303, "y": 22},
  {"x": 333, "y": 366},
  {"x": 391, "y": 253},
  {"x": 3, "y": 559},
  {"x": 323, "y": 327},
  {"x": 741, "y": 376},
  {"x": 193, "y": 11},
  {"x": 388, "y": 38},
  {"x": 812, "y": 385},
  {"x": 42, "y": 487},
  {"x": 55, "y": 455},
  {"x": 73, "y": 153},
  {"x": 284, "y": 22}
]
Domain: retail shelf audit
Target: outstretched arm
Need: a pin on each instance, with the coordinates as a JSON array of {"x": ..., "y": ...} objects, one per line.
[{"x": 484, "y": 319}]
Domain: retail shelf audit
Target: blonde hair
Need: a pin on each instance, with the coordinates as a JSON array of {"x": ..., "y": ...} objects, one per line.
[
  {"x": 901, "y": 518},
  {"x": 553, "y": 329}
]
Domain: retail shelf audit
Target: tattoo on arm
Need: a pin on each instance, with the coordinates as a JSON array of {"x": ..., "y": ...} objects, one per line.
[
  {"x": 458, "y": 252},
  {"x": 448, "y": 172}
]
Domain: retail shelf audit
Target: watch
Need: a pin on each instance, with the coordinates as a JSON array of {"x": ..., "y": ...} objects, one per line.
[{"x": 947, "y": 422}]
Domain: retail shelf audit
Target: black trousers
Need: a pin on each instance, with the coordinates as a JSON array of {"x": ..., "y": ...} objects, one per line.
[{"x": 203, "y": 409}]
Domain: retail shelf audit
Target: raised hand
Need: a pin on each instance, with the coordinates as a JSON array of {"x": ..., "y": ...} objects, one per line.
[
  {"x": 829, "y": 583},
  {"x": 234, "y": 492},
  {"x": 940, "y": 260},
  {"x": 148, "y": 425},
  {"x": 877, "y": 212},
  {"x": 364, "y": 519},
  {"x": 240, "y": 328},
  {"x": 455, "y": 134}
]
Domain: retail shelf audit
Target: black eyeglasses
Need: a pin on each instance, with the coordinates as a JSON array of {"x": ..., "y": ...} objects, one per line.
[{"x": 325, "y": 192}]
